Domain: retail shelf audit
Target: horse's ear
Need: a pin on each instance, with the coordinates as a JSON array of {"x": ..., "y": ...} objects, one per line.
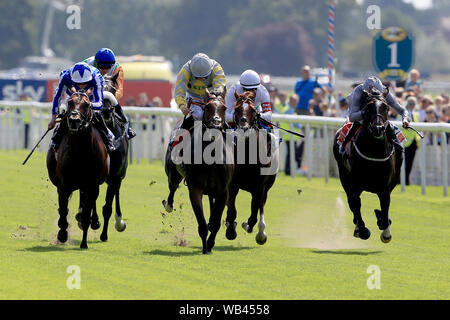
[
  {"x": 224, "y": 92},
  {"x": 89, "y": 92},
  {"x": 386, "y": 91},
  {"x": 73, "y": 90},
  {"x": 114, "y": 78},
  {"x": 236, "y": 95},
  {"x": 252, "y": 95}
]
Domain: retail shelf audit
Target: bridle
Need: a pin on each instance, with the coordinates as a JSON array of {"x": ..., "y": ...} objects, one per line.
[
  {"x": 240, "y": 104},
  {"x": 86, "y": 120},
  {"x": 206, "y": 123}
]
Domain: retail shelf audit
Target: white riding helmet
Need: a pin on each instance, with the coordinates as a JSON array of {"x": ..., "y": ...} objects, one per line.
[
  {"x": 250, "y": 79},
  {"x": 201, "y": 65},
  {"x": 81, "y": 73}
]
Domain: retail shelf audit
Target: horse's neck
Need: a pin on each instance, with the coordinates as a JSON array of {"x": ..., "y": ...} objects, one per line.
[
  {"x": 367, "y": 143},
  {"x": 80, "y": 144}
]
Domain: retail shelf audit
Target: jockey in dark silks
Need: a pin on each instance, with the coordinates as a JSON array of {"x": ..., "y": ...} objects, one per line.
[{"x": 356, "y": 114}]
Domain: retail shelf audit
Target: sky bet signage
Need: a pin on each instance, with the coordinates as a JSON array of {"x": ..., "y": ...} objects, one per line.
[
  {"x": 13, "y": 89},
  {"x": 393, "y": 53}
]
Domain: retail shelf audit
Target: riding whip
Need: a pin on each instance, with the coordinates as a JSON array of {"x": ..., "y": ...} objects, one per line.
[
  {"x": 36, "y": 146},
  {"x": 288, "y": 131},
  {"x": 419, "y": 133}
]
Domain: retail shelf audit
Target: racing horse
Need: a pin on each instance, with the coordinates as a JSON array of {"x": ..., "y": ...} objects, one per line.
[
  {"x": 119, "y": 158},
  {"x": 81, "y": 163},
  {"x": 203, "y": 177},
  {"x": 373, "y": 165},
  {"x": 249, "y": 174}
]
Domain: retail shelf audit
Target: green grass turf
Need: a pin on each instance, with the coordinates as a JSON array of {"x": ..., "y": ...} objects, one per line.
[{"x": 310, "y": 252}]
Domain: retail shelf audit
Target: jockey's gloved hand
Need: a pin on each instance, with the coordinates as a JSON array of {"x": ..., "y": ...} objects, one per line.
[
  {"x": 258, "y": 115},
  {"x": 405, "y": 122}
]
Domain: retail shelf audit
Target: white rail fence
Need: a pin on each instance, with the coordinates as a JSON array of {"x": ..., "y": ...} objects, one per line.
[{"x": 23, "y": 123}]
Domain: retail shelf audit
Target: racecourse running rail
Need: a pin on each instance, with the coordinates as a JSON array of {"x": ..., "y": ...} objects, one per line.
[{"x": 24, "y": 122}]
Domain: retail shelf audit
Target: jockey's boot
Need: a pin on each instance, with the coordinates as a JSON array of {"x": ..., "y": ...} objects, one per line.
[
  {"x": 348, "y": 137},
  {"x": 188, "y": 123},
  {"x": 59, "y": 132},
  {"x": 130, "y": 132},
  {"x": 392, "y": 136},
  {"x": 105, "y": 133}
]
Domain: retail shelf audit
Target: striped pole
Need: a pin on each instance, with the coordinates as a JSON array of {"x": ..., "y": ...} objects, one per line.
[{"x": 330, "y": 47}]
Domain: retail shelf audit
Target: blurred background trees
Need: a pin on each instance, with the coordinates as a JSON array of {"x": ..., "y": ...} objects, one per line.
[{"x": 275, "y": 37}]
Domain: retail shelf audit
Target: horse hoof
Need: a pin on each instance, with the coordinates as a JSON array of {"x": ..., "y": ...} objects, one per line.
[
  {"x": 231, "y": 233},
  {"x": 363, "y": 234},
  {"x": 246, "y": 227},
  {"x": 95, "y": 225},
  {"x": 168, "y": 207},
  {"x": 385, "y": 239},
  {"x": 103, "y": 237},
  {"x": 261, "y": 238},
  {"x": 83, "y": 246},
  {"x": 62, "y": 236},
  {"x": 121, "y": 226}
]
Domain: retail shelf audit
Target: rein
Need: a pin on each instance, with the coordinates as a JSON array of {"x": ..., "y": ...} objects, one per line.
[{"x": 370, "y": 158}]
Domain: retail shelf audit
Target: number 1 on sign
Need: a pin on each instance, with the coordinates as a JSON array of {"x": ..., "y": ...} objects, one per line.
[{"x": 393, "y": 62}]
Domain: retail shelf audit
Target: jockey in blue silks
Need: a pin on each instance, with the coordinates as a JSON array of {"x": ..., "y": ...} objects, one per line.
[{"x": 82, "y": 77}]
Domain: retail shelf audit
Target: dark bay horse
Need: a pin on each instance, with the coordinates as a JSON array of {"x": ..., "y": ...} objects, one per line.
[
  {"x": 119, "y": 158},
  {"x": 202, "y": 176},
  {"x": 81, "y": 163},
  {"x": 249, "y": 174},
  {"x": 373, "y": 165}
]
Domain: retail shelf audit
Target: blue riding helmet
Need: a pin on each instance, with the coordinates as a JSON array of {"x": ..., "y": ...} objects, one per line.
[
  {"x": 105, "y": 58},
  {"x": 81, "y": 73}
]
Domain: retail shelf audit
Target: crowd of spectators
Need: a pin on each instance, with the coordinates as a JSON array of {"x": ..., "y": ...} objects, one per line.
[{"x": 313, "y": 100}]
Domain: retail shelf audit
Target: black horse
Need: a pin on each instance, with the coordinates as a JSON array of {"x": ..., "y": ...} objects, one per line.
[
  {"x": 203, "y": 178},
  {"x": 249, "y": 174},
  {"x": 119, "y": 159},
  {"x": 373, "y": 165},
  {"x": 81, "y": 163}
]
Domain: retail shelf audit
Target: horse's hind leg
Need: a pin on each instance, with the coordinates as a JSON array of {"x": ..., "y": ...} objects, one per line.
[
  {"x": 120, "y": 224},
  {"x": 230, "y": 222},
  {"x": 95, "y": 222},
  {"x": 354, "y": 202},
  {"x": 174, "y": 181},
  {"x": 107, "y": 210},
  {"x": 261, "y": 236},
  {"x": 63, "y": 200},
  {"x": 195, "y": 196},
  {"x": 383, "y": 220}
]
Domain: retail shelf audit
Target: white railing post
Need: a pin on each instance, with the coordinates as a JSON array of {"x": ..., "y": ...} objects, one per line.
[{"x": 444, "y": 148}]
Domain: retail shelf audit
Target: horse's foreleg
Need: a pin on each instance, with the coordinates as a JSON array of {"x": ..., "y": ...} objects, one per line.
[
  {"x": 230, "y": 222},
  {"x": 354, "y": 202},
  {"x": 195, "y": 196},
  {"x": 120, "y": 224},
  {"x": 91, "y": 198},
  {"x": 107, "y": 210},
  {"x": 383, "y": 220},
  {"x": 63, "y": 200},
  {"x": 215, "y": 219},
  {"x": 255, "y": 206}
]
